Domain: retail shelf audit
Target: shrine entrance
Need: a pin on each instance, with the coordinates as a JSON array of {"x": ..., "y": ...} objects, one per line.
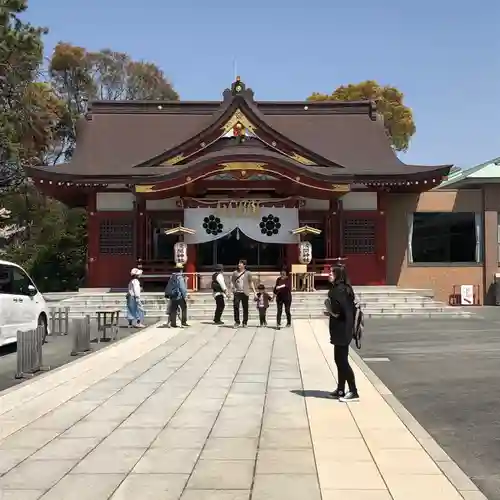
[{"x": 234, "y": 246}]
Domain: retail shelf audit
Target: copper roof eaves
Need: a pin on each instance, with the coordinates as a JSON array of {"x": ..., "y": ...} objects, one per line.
[
  {"x": 152, "y": 107},
  {"x": 211, "y": 107}
]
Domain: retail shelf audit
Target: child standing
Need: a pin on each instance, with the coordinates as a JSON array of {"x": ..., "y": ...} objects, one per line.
[{"x": 262, "y": 298}]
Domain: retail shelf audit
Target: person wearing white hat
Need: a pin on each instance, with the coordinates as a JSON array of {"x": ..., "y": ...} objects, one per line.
[{"x": 135, "y": 309}]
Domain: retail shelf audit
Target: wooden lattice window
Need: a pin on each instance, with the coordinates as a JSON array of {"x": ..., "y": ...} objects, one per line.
[
  {"x": 116, "y": 237},
  {"x": 359, "y": 236}
]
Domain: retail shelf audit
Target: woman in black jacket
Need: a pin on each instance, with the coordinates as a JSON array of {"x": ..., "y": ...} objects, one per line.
[
  {"x": 341, "y": 312},
  {"x": 283, "y": 293}
]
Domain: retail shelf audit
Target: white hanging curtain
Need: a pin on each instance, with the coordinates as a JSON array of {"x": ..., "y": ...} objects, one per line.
[
  {"x": 267, "y": 225},
  {"x": 208, "y": 223},
  {"x": 410, "y": 237}
]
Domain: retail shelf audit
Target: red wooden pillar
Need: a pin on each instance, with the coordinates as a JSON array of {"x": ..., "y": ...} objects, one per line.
[
  {"x": 93, "y": 241},
  {"x": 291, "y": 255},
  {"x": 327, "y": 233},
  {"x": 140, "y": 229},
  {"x": 191, "y": 265},
  {"x": 381, "y": 236},
  {"x": 334, "y": 229}
]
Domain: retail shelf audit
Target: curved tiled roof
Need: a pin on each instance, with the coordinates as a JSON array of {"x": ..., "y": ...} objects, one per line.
[{"x": 128, "y": 140}]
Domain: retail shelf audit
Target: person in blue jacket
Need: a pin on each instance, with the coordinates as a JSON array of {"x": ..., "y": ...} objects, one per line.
[{"x": 176, "y": 291}]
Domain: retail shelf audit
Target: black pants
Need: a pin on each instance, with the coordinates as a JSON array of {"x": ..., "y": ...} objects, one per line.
[
  {"x": 279, "y": 305},
  {"x": 174, "y": 306},
  {"x": 262, "y": 316},
  {"x": 344, "y": 370},
  {"x": 220, "y": 305},
  {"x": 240, "y": 298}
]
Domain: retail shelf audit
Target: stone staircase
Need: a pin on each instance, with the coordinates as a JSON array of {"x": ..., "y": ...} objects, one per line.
[{"x": 383, "y": 301}]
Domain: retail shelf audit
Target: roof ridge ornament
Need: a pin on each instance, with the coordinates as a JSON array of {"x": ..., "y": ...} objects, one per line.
[{"x": 238, "y": 87}]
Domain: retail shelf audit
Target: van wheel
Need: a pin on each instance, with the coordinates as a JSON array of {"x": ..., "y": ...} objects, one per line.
[{"x": 42, "y": 321}]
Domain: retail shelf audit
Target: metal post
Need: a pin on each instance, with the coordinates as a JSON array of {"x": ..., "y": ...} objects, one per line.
[
  {"x": 81, "y": 335},
  {"x": 66, "y": 320},
  {"x": 53, "y": 322},
  {"x": 60, "y": 321},
  {"x": 29, "y": 352}
]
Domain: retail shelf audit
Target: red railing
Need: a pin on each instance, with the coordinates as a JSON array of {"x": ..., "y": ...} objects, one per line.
[
  {"x": 161, "y": 271},
  {"x": 155, "y": 268}
]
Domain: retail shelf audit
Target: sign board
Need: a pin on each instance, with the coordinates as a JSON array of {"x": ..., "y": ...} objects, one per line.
[
  {"x": 299, "y": 268},
  {"x": 467, "y": 295}
]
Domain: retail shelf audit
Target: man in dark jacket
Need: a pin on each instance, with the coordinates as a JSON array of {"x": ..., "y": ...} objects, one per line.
[{"x": 340, "y": 310}]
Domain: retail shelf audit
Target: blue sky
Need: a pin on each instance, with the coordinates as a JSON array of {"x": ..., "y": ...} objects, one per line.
[{"x": 444, "y": 55}]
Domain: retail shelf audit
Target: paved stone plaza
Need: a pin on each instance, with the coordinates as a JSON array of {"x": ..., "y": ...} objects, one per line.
[{"x": 210, "y": 413}]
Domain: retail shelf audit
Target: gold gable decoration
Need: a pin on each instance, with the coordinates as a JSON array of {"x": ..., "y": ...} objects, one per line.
[
  {"x": 301, "y": 159},
  {"x": 341, "y": 188},
  {"x": 173, "y": 161},
  {"x": 304, "y": 230},
  {"x": 242, "y": 166},
  {"x": 179, "y": 230},
  {"x": 143, "y": 188},
  {"x": 238, "y": 117}
]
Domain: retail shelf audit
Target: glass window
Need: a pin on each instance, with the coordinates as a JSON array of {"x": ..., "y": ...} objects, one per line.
[
  {"x": 5, "y": 279},
  {"x": 14, "y": 281},
  {"x": 20, "y": 282},
  {"x": 445, "y": 237},
  {"x": 498, "y": 236}
]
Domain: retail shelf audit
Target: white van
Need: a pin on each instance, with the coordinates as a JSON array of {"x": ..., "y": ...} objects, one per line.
[{"x": 22, "y": 306}]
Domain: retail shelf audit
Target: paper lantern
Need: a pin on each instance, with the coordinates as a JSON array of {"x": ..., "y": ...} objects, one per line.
[
  {"x": 180, "y": 253},
  {"x": 305, "y": 252}
]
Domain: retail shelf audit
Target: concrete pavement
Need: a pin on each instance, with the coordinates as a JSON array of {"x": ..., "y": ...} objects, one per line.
[
  {"x": 210, "y": 413},
  {"x": 56, "y": 352},
  {"x": 446, "y": 372}
]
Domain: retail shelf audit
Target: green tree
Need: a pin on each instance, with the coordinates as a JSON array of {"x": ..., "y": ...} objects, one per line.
[
  {"x": 80, "y": 76},
  {"x": 398, "y": 118},
  {"x": 37, "y": 232},
  {"x": 29, "y": 111},
  {"x": 53, "y": 243}
]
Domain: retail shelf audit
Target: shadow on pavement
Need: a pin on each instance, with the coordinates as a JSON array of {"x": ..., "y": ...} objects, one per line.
[{"x": 313, "y": 394}]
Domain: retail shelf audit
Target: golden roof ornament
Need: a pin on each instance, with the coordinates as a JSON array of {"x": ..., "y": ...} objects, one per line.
[
  {"x": 305, "y": 230},
  {"x": 237, "y": 87},
  {"x": 179, "y": 230}
]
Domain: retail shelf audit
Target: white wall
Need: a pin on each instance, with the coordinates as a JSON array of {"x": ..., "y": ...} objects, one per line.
[
  {"x": 167, "y": 204},
  {"x": 312, "y": 204},
  {"x": 359, "y": 201},
  {"x": 115, "y": 202}
]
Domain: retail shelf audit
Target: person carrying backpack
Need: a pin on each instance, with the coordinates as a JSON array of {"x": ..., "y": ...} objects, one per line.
[
  {"x": 341, "y": 310},
  {"x": 176, "y": 291},
  {"x": 219, "y": 289}
]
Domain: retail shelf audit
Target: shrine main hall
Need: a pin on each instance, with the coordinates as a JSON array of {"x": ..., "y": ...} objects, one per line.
[{"x": 241, "y": 178}]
